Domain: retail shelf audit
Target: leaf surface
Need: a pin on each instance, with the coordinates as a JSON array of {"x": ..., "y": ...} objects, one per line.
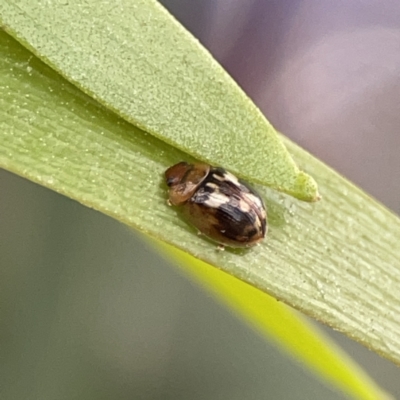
[
  {"x": 337, "y": 260},
  {"x": 136, "y": 59}
]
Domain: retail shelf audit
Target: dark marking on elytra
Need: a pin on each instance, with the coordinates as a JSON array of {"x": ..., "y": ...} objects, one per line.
[{"x": 220, "y": 205}]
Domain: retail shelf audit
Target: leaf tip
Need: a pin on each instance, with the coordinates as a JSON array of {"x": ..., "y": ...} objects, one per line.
[{"x": 306, "y": 188}]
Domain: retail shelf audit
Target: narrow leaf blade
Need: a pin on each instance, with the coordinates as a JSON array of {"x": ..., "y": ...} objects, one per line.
[
  {"x": 319, "y": 258},
  {"x": 278, "y": 322},
  {"x": 164, "y": 82}
]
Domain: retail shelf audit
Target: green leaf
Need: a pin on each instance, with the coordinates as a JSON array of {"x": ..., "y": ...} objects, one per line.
[
  {"x": 279, "y": 323},
  {"x": 337, "y": 261},
  {"x": 135, "y": 58},
  {"x": 53, "y": 134}
]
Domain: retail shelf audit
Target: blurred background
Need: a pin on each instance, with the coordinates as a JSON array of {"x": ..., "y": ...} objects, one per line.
[{"x": 89, "y": 311}]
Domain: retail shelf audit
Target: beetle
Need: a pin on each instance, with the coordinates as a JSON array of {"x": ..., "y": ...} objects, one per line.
[{"x": 217, "y": 203}]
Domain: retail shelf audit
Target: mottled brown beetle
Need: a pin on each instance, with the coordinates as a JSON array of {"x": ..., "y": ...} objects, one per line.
[{"x": 218, "y": 204}]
